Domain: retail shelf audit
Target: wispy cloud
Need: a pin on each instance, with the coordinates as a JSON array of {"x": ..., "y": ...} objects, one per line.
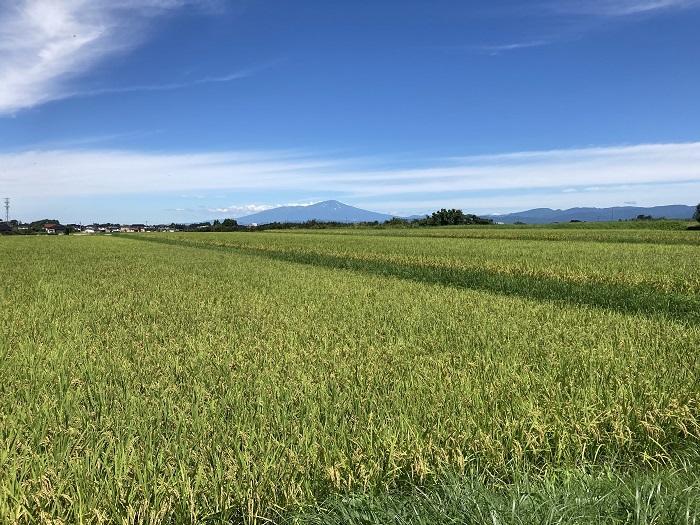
[
  {"x": 45, "y": 44},
  {"x": 617, "y": 8},
  {"x": 158, "y": 87},
  {"x": 91, "y": 140},
  {"x": 496, "y": 49},
  {"x": 573, "y": 19},
  {"x": 587, "y": 173},
  {"x": 240, "y": 210}
]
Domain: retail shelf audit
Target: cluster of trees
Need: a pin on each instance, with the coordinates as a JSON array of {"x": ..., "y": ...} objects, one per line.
[
  {"x": 452, "y": 217},
  {"x": 443, "y": 217},
  {"x": 696, "y": 216},
  {"x": 19, "y": 228},
  {"x": 227, "y": 225}
]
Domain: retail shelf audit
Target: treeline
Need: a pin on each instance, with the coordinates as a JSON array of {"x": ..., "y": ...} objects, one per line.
[
  {"x": 443, "y": 217},
  {"x": 452, "y": 217},
  {"x": 19, "y": 228}
]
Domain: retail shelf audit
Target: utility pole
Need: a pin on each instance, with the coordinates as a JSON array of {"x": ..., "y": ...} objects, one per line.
[{"x": 7, "y": 209}]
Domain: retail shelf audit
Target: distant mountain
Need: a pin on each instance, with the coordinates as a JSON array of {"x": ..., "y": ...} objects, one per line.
[
  {"x": 547, "y": 215},
  {"x": 334, "y": 211},
  {"x": 326, "y": 211}
]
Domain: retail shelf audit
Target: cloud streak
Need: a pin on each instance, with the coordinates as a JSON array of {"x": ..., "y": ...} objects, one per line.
[
  {"x": 159, "y": 87},
  {"x": 619, "y": 8},
  {"x": 515, "y": 46},
  {"x": 582, "y": 17},
  {"x": 171, "y": 86},
  {"x": 563, "y": 173},
  {"x": 45, "y": 44}
]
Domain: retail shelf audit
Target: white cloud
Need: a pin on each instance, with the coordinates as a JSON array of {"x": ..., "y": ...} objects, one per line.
[
  {"x": 79, "y": 172},
  {"x": 591, "y": 172},
  {"x": 242, "y": 209},
  {"x": 44, "y": 44},
  {"x": 40, "y": 182}
]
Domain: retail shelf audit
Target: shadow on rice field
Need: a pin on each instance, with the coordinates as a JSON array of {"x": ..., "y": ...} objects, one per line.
[{"x": 640, "y": 299}]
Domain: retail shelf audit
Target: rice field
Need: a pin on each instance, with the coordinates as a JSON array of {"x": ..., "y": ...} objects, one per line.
[{"x": 448, "y": 375}]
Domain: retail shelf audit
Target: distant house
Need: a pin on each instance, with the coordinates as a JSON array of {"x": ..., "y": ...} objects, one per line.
[
  {"x": 52, "y": 228},
  {"x": 134, "y": 228}
]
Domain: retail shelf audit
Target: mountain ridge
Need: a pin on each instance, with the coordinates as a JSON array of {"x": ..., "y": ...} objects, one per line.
[
  {"x": 336, "y": 211},
  {"x": 592, "y": 214}
]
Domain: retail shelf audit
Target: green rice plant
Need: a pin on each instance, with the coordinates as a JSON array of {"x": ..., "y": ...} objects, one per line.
[
  {"x": 266, "y": 377},
  {"x": 656, "y": 232}
]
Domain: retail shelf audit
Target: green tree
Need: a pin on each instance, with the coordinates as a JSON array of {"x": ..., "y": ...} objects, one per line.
[
  {"x": 229, "y": 225},
  {"x": 696, "y": 216},
  {"x": 396, "y": 221},
  {"x": 453, "y": 217}
]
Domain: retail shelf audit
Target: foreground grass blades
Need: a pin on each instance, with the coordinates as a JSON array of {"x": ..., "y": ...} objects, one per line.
[{"x": 206, "y": 380}]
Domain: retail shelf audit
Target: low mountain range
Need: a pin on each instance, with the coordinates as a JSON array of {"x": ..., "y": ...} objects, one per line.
[
  {"x": 335, "y": 211},
  {"x": 547, "y": 215}
]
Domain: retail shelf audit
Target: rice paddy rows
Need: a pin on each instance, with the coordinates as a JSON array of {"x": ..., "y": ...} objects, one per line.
[
  {"x": 642, "y": 278},
  {"x": 244, "y": 377},
  {"x": 671, "y": 232}
]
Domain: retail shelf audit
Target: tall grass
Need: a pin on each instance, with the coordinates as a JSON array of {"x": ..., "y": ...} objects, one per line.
[{"x": 145, "y": 382}]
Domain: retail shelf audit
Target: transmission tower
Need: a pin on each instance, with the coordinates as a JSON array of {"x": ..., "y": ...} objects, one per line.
[{"x": 7, "y": 209}]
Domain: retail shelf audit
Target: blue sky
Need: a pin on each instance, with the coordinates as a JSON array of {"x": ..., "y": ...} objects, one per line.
[{"x": 184, "y": 110}]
